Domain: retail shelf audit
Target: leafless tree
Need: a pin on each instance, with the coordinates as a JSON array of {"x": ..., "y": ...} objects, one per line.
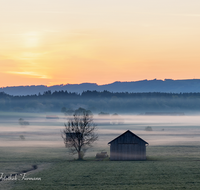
[{"x": 79, "y": 132}]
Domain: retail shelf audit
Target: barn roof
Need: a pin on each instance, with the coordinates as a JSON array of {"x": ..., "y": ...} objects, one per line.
[{"x": 131, "y": 134}]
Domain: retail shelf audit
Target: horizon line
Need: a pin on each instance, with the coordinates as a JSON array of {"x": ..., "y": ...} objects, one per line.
[{"x": 48, "y": 86}]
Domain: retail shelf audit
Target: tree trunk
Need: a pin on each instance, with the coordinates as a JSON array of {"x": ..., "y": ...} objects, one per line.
[{"x": 79, "y": 156}]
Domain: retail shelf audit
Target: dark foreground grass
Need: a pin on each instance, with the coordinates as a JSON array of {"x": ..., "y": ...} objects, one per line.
[
  {"x": 166, "y": 168},
  {"x": 117, "y": 175}
]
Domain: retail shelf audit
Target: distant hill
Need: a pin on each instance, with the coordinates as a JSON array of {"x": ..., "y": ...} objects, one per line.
[{"x": 167, "y": 85}]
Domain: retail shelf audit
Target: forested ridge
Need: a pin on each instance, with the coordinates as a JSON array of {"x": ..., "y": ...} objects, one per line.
[{"x": 102, "y": 101}]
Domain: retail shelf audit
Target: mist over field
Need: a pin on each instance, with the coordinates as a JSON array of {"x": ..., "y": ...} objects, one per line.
[
  {"x": 29, "y": 140},
  {"x": 44, "y": 132}
]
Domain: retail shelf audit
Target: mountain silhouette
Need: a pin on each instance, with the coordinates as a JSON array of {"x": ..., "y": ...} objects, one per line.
[{"x": 167, "y": 85}]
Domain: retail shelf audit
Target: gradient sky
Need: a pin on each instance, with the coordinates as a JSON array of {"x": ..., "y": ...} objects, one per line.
[{"x": 100, "y": 41}]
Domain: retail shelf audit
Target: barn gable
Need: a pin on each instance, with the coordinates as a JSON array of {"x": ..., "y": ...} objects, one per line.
[
  {"x": 128, "y": 146},
  {"x": 128, "y": 138}
]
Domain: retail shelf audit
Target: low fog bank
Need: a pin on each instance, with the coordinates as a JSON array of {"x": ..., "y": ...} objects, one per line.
[{"x": 44, "y": 130}]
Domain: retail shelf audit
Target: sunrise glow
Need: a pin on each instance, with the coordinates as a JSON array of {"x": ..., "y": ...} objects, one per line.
[{"x": 60, "y": 42}]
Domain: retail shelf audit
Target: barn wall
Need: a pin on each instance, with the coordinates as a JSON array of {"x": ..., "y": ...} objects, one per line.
[{"x": 128, "y": 147}]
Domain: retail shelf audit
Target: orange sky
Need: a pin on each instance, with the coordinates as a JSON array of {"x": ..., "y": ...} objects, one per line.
[{"x": 58, "y": 42}]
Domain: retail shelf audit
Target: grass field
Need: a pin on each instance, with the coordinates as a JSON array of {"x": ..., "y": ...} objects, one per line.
[
  {"x": 167, "y": 167},
  {"x": 173, "y": 156}
]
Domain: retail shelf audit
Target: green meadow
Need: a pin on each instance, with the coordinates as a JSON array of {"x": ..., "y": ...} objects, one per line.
[
  {"x": 173, "y": 155},
  {"x": 166, "y": 167}
]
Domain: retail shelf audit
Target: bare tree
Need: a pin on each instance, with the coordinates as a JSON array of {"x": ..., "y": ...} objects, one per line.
[{"x": 79, "y": 132}]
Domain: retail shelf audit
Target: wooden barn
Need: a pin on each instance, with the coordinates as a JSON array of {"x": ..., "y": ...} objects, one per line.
[{"x": 128, "y": 146}]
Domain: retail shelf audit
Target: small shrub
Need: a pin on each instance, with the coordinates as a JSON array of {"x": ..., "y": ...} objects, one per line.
[{"x": 148, "y": 128}]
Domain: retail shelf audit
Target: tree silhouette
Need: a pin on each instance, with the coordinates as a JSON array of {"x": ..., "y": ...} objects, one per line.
[{"x": 79, "y": 132}]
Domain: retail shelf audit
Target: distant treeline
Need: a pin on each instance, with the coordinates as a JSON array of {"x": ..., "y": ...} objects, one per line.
[{"x": 105, "y": 101}]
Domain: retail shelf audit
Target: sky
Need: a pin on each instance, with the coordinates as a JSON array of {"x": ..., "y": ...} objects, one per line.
[{"x": 52, "y": 42}]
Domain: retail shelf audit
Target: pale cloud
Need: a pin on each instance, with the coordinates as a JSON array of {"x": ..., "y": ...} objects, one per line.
[
  {"x": 29, "y": 73},
  {"x": 186, "y": 15}
]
